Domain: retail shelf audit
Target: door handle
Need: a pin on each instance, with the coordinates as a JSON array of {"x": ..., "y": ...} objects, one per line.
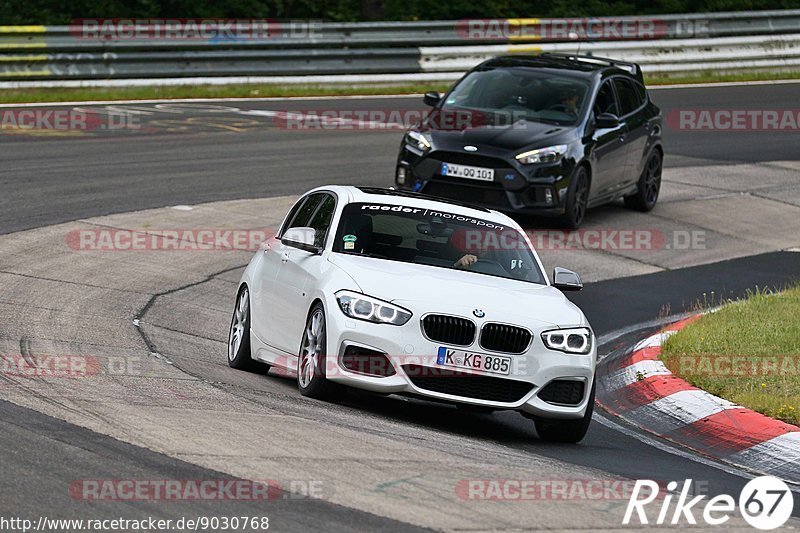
[
  {"x": 621, "y": 138},
  {"x": 284, "y": 257}
]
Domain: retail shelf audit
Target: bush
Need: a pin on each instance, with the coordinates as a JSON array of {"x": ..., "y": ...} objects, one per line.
[{"x": 50, "y": 12}]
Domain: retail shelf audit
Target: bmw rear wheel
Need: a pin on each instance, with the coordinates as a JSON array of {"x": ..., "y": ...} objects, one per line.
[{"x": 239, "y": 336}]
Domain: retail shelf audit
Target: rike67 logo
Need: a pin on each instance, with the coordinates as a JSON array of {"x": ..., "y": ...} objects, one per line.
[{"x": 765, "y": 503}]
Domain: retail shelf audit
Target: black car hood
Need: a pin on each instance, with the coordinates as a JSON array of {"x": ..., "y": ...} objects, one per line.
[{"x": 520, "y": 134}]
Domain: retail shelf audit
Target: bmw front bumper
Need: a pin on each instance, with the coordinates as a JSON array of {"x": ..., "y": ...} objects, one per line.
[{"x": 535, "y": 385}]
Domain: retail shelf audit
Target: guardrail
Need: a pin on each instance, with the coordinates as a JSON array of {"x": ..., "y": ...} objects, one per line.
[{"x": 316, "y": 51}]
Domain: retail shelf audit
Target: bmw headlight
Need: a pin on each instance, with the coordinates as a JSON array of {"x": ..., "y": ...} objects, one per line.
[
  {"x": 552, "y": 154},
  {"x": 571, "y": 340},
  {"x": 371, "y": 309},
  {"x": 418, "y": 140}
]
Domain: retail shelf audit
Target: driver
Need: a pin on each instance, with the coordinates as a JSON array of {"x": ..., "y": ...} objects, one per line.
[
  {"x": 569, "y": 99},
  {"x": 466, "y": 261}
]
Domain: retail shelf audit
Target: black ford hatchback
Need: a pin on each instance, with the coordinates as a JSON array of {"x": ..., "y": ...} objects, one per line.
[{"x": 552, "y": 134}]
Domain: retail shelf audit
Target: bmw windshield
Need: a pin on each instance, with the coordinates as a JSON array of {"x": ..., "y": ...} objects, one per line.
[
  {"x": 436, "y": 238},
  {"x": 513, "y": 94}
]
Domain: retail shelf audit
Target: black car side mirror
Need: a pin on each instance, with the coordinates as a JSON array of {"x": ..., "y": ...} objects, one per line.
[
  {"x": 432, "y": 98},
  {"x": 566, "y": 280},
  {"x": 606, "y": 120}
]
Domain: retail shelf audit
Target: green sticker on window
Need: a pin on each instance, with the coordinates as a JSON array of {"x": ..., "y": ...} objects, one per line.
[{"x": 349, "y": 238}]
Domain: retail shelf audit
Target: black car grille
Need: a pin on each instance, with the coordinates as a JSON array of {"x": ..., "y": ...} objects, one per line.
[
  {"x": 504, "y": 338},
  {"x": 467, "y": 385},
  {"x": 563, "y": 392},
  {"x": 474, "y": 160},
  {"x": 480, "y": 194},
  {"x": 449, "y": 329}
]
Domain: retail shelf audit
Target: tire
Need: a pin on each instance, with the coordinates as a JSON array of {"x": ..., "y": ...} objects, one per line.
[
  {"x": 311, "y": 380},
  {"x": 569, "y": 431},
  {"x": 577, "y": 200},
  {"x": 239, "y": 356},
  {"x": 649, "y": 186}
]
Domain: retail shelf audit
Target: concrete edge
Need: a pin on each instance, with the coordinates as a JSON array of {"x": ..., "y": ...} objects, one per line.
[{"x": 635, "y": 386}]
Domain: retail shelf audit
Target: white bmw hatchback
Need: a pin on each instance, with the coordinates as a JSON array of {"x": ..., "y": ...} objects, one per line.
[{"x": 400, "y": 293}]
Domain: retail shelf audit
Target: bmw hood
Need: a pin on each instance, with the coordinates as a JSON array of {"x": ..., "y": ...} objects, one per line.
[{"x": 423, "y": 289}]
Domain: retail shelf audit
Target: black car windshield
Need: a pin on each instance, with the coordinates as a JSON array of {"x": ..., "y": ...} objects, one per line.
[
  {"x": 436, "y": 238},
  {"x": 512, "y": 94}
]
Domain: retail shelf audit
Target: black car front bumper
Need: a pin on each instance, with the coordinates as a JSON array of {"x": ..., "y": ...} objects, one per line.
[{"x": 539, "y": 190}]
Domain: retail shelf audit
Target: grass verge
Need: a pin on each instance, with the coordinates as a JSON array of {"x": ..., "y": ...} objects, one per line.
[
  {"x": 747, "y": 352},
  {"x": 9, "y": 96}
]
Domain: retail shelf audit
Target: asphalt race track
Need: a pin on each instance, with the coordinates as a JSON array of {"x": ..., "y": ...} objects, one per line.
[{"x": 382, "y": 463}]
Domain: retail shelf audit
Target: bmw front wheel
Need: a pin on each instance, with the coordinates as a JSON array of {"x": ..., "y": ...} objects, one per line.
[{"x": 311, "y": 362}]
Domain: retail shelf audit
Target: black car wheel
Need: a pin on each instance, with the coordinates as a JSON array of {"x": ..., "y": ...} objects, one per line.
[
  {"x": 571, "y": 431},
  {"x": 577, "y": 200},
  {"x": 646, "y": 196}
]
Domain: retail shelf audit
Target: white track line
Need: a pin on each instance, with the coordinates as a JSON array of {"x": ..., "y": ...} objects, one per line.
[{"x": 342, "y": 97}]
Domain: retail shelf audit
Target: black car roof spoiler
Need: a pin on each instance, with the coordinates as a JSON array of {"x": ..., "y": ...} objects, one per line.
[{"x": 633, "y": 68}]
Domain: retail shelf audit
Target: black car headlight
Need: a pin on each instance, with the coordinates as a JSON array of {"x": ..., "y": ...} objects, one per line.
[
  {"x": 570, "y": 340},
  {"x": 551, "y": 154},
  {"x": 418, "y": 140},
  {"x": 363, "y": 307}
]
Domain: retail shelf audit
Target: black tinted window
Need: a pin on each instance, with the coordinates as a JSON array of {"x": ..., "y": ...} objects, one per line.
[
  {"x": 640, "y": 91},
  {"x": 605, "y": 102},
  {"x": 629, "y": 98},
  {"x": 507, "y": 95},
  {"x": 303, "y": 211},
  {"x": 321, "y": 220}
]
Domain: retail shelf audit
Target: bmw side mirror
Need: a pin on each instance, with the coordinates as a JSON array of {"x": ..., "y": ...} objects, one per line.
[
  {"x": 566, "y": 280},
  {"x": 432, "y": 98},
  {"x": 302, "y": 238},
  {"x": 606, "y": 120}
]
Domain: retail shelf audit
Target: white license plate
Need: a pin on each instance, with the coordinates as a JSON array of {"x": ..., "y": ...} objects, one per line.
[
  {"x": 495, "y": 364},
  {"x": 463, "y": 171}
]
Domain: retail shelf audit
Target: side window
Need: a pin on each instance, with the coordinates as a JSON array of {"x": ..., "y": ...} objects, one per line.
[
  {"x": 641, "y": 92},
  {"x": 302, "y": 212},
  {"x": 605, "y": 101},
  {"x": 629, "y": 99},
  {"x": 321, "y": 221}
]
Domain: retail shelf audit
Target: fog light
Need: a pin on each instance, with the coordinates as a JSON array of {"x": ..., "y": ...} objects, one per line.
[
  {"x": 548, "y": 196},
  {"x": 400, "y": 178},
  {"x": 365, "y": 361}
]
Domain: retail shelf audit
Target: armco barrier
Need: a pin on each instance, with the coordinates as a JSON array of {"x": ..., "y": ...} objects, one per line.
[{"x": 361, "y": 52}]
